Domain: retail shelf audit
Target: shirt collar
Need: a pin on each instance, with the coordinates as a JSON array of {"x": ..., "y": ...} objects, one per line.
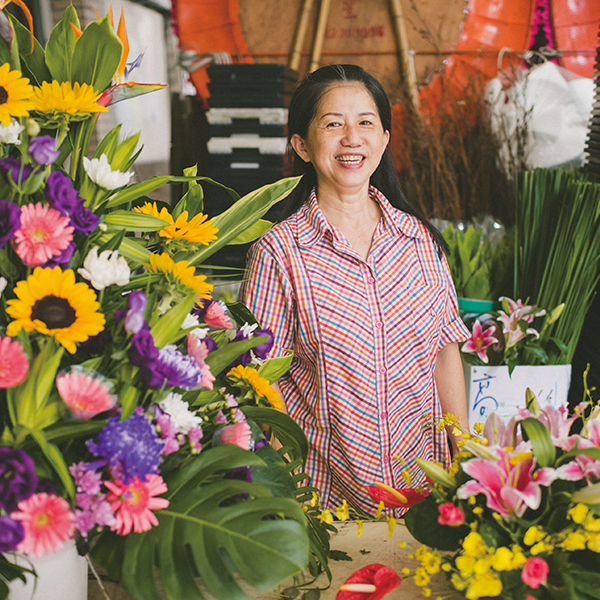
[{"x": 312, "y": 225}]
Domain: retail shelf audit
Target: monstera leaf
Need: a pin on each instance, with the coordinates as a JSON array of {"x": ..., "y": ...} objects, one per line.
[{"x": 216, "y": 532}]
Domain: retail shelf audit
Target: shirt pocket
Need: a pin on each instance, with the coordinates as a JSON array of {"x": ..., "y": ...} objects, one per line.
[{"x": 427, "y": 304}]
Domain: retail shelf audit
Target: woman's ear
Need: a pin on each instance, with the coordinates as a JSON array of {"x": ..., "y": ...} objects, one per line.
[{"x": 298, "y": 145}]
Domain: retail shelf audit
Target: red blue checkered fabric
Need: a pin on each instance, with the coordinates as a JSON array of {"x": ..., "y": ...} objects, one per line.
[{"x": 365, "y": 335}]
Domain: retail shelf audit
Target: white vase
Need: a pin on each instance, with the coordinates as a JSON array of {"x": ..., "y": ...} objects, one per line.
[{"x": 62, "y": 575}]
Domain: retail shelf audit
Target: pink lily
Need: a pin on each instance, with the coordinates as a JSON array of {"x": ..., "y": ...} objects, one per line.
[
  {"x": 582, "y": 466},
  {"x": 556, "y": 421},
  {"x": 507, "y": 483},
  {"x": 479, "y": 341}
]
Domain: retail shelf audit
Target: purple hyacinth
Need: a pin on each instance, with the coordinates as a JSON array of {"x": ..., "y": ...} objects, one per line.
[
  {"x": 11, "y": 533},
  {"x": 84, "y": 220},
  {"x": 17, "y": 477},
  {"x": 142, "y": 351},
  {"x": 131, "y": 448},
  {"x": 172, "y": 368},
  {"x": 60, "y": 193},
  {"x": 10, "y": 220},
  {"x": 43, "y": 150},
  {"x": 18, "y": 171}
]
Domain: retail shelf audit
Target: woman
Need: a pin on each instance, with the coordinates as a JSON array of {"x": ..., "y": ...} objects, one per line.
[{"x": 356, "y": 284}]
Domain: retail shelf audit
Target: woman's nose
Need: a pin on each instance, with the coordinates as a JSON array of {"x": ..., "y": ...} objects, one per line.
[{"x": 351, "y": 136}]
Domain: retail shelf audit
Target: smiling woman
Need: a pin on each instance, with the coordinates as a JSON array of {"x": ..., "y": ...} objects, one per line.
[{"x": 354, "y": 281}]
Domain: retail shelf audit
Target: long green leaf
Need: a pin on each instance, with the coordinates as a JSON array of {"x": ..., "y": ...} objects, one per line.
[
  {"x": 137, "y": 190},
  {"x": 541, "y": 441},
  {"x": 60, "y": 46},
  {"x": 32, "y": 65},
  {"x": 275, "y": 368},
  {"x": 133, "y": 221},
  {"x": 220, "y": 358},
  {"x": 252, "y": 233},
  {"x": 128, "y": 248}
]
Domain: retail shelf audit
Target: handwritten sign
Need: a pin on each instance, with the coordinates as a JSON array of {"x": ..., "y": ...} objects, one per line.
[{"x": 491, "y": 389}]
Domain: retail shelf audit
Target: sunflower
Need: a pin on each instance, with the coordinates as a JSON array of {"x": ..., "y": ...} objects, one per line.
[
  {"x": 260, "y": 386},
  {"x": 179, "y": 277},
  {"x": 64, "y": 98},
  {"x": 49, "y": 301},
  {"x": 198, "y": 230},
  {"x": 15, "y": 94}
]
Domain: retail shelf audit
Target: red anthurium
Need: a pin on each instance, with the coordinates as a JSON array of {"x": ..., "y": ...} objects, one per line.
[
  {"x": 372, "y": 582},
  {"x": 396, "y": 498}
]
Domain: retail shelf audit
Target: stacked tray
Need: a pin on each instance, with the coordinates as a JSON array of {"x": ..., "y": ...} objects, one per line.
[{"x": 593, "y": 139}]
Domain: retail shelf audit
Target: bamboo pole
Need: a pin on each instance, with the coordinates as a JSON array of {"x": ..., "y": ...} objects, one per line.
[
  {"x": 399, "y": 25},
  {"x": 300, "y": 35},
  {"x": 319, "y": 35}
]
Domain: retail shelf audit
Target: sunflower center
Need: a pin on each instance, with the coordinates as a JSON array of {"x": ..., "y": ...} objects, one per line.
[
  {"x": 54, "y": 312},
  {"x": 3, "y": 95}
]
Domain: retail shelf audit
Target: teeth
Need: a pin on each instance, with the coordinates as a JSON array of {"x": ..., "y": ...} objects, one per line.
[{"x": 353, "y": 160}]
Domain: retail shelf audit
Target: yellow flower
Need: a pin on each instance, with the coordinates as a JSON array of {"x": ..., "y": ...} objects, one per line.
[
  {"x": 260, "y": 385},
  {"x": 458, "y": 582},
  {"x": 465, "y": 564},
  {"x": 485, "y": 585},
  {"x": 421, "y": 577},
  {"x": 541, "y": 547},
  {"x": 573, "y": 541},
  {"x": 478, "y": 428},
  {"x": 15, "y": 94},
  {"x": 341, "y": 512},
  {"x": 379, "y": 510},
  {"x": 482, "y": 566},
  {"x": 426, "y": 592},
  {"x": 474, "y": 545},
  {"x": 502, "y": 559},
  {"x": 518, "y": 558},
  {"x": 578, "y": 513},
  {"x": 405, "y": 571},
  {"x": 197, "y": 230},
  {"x": 406, "y": 476},
  {"x": 533, "y": 535},
  {"x": 593, "y": 525},
  {"x": 477, "y": 510},
  {"x": 326, "y": 516},
  {"x": 446, "y": 567},
  {"x": 431, "y": 562},
  {"x": 50, "y": 302},
  {"x": 402, "y": 545},
  {"x": 359, "y": 525},
  {"x": 391, "y": 522},
  {"x": 179, "y": 277},
  {"x": 314, "y": 500},
  {"x": 593, "y": 542},
  {"x": 63, "y": 97}
]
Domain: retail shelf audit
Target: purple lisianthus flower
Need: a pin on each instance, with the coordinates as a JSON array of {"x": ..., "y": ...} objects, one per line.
[
  {"x": 43, "y": 150},
  {"x": 15, "y": 168},
  {"x": 17, "y": 477},
  {"x": 260, "y": 351},
  {"x": 142, "y": 351},
  {"x": 172, "y": 368},
  {"x": 60, "y": 193},
  {"x": 201, "y": 307},
  {"x": 84, "y": 220},
  {"x": 134, "y": 318},
  {"x": 131, "y": 448},
  {"x": 10, "y": 220},
  {"x": 11, "y": 533},
  {"x": 64, "y": 258}
]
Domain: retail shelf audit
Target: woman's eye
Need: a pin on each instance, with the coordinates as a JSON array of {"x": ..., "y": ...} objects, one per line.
[
  {"x": 366, "y": 122},
  {"x": 333, "y": 124}
]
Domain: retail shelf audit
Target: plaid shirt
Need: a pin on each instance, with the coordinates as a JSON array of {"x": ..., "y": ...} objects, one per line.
[{"x": 365, "y": 336}]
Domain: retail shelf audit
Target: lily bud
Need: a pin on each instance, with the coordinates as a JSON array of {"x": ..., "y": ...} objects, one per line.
[{"x": 32, "y": 127}]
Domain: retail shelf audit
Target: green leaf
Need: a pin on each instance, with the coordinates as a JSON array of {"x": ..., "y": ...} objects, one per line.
[
  {"x": 32, "y": 65},
  {"x": 583, "y": 580},
  {"x": 113, "y": 243},
  {"x": 128, "y": 400},
  {"x": 6, "y": 40},
  {"x": 275, "y": 368},
  {"x": 129, "y": 249},
  {"x": 274, "y": 474},
  {"x": 133, "y": 221},
  {"x": 541, "y": 441},
  {"x": 421, "y": 520},
  {"x": 252, "y": 233},
  {"x": 222, "y": 357},
  {"x": 60, "y": 46},
  {"x": 263, "y": 540},
  {"x": 137, "y": 190},
  {"x": 108, "y": 144},
  {"x": 130, "y": 89},
  {"x": 97, "y": 55},
  {"x": 437, "y": 473},
  {"x": 167, "y": 329},
  {"x": 63, "y": 431},
  {"x": 193, "y": 199},
  {"x": 121, "y": 158},
  {"x": 242, "y": 314},
  {"x": 243, "y": 214}
]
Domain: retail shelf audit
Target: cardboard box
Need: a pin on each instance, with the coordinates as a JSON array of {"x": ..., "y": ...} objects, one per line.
[{"x": 491, "y": 389}]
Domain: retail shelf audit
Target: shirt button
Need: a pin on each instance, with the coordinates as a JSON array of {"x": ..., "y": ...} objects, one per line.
[
  {"x": 371, "y": 279},
  {"x": 387, "y": 459},
  {"x": 382, "y": 370},
  {"x": 379, "y": 324},
  {"x": 383, "y": 415}
]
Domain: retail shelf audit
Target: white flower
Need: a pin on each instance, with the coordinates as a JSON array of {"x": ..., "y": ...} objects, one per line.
[
  {"x": 200, "y": 333},
  {"x": 178, "y": 410},
  {"x": 10, "y": 134},
  {"x": 3, "y": 283},
  {"x": 190, "y": 321},
  {"x": 101, "y": 174},
  {"x": 106, "y": 269},
  {"x": 248, "y": 329}
]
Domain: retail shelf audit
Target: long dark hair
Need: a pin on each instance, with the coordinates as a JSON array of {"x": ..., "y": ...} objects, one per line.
[{"x": 303, "y": 108}]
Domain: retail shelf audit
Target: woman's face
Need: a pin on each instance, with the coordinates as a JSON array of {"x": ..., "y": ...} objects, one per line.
[{"x": 345, "y": 140}]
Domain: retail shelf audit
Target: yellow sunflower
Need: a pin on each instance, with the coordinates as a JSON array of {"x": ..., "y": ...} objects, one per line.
[
  {"x": 198, "y": 230},
  {"x": 62, "y": 97},
  {"x": 259, "y": 384},
  {"x": 179, "y": 275},
  {"x": 15, "y": 94},
  {"x": 49, "y": 301}
]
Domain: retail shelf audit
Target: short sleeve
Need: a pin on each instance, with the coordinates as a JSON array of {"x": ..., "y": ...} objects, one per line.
[
  {"x": 453, "y": 329},
  {"x": 267, "y": 291}
]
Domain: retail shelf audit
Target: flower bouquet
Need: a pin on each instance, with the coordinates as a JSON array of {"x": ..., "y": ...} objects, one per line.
[
  {"x": 510, "y": 336},
  {"x": 517, "y": 516},
  {"x": 129, "y": 394}
]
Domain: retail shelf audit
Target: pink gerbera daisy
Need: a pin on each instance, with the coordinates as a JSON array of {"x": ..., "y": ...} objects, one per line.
[
  {"x": 44, "y": 233},
  {"x": 14, "y": 364},
  {"x": 134, "y": 502},
  {"x": 48, "y": 521},
  {"x": 85, "y": 395}
]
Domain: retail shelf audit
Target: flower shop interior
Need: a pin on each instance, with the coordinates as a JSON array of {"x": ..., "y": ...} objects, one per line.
[{"x": 137, "y": 396}]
